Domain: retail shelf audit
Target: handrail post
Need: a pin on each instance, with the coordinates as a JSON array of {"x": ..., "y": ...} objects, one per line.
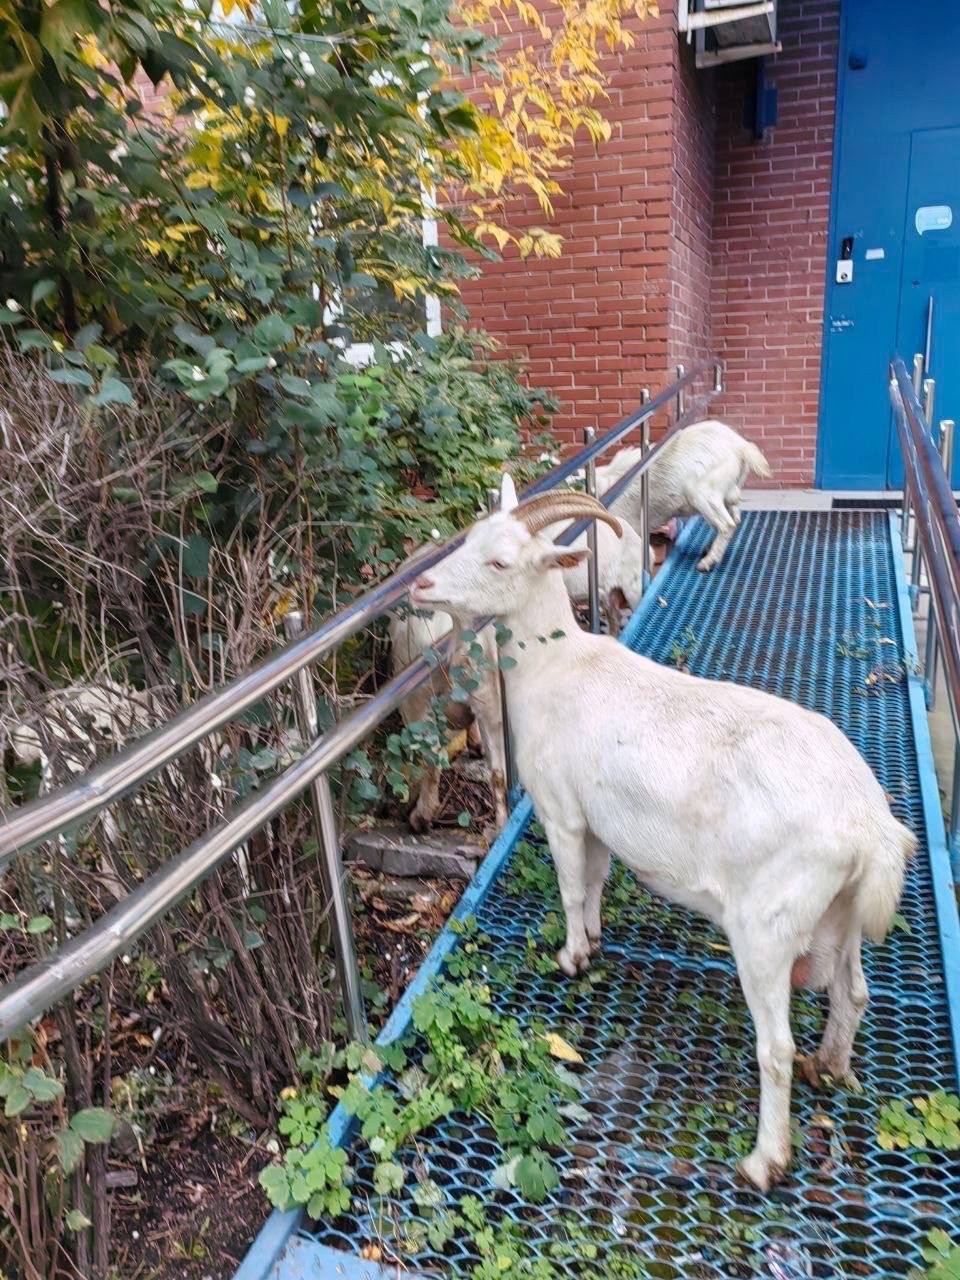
[
  {"x": 929, "y": 392},
  {"x": 509, "y": 762},
  {"x": 917, "y": 385},
  {"x": 681, "y": 397},
  {"x": 916, "y": 568},
  {"x": 593, "y": 568},
  {"x": 918, "y": 374},
  {"x": 645, "y": 491},
  {"x": 932, "y": 648},
  {"x": 331, "y": 859}
]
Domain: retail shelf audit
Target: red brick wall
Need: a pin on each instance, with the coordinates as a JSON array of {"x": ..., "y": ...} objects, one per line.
[
  {"x": 771, "y": 208},
  {"x": 593, "y": 323}
]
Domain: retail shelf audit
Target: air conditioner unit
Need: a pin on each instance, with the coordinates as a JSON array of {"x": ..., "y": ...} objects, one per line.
[{"x": 729, "y": 30}]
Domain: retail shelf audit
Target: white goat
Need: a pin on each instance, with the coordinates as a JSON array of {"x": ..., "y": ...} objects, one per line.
[
  {"x": 620, "y": 566},
  {"x": 752, "y": 810},
  {"x": 482, "y": 714},
  {"x": 702, "y": 469}
]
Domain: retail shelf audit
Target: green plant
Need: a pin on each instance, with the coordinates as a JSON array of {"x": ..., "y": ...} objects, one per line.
[
  {"x": 472, "y": 1059},
  {"x": 942, "y": 1255},
  {"x": 921, "y": 1122},
  {"x": 683, "y": 649}
]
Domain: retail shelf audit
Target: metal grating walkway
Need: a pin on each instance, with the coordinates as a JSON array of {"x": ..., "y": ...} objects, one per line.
[{"x": 800, "y": 608}]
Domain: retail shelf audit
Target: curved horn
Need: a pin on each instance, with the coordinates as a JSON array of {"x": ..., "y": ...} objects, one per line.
[{"x": 551, "y": 508}]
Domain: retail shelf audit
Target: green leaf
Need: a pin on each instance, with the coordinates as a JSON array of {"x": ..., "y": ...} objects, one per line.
[
  {"x": 536, "y": 1176},
  {"x": 276, "y": 1183},
  {"x": 196, "y": 556},
  {"x": 463, "y": 818},
  {"x": 39, "y": 924},
  {"x": 43, "y": 1087},
  {"x": 87, "y": 335},
  {"x": 18, "y": 1099},
  {"x": 69, "y": 1149},
  {"x": 71, "y": 377},
  {"x": 113, "y": 391},
  {"x": 8, "y": 921},
  {"x": 272, "y": 332},
  {"x": 42, "y": 289},
  {"x": 76, "y": 1220},
  {"x": 10, "y": 317},
  {"x": 93, "y": 1124}
]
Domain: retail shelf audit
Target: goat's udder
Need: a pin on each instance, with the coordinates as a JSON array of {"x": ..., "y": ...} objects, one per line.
[{"x": 801, "y": 972}]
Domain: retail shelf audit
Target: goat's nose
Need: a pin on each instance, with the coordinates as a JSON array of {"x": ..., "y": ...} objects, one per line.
[{"x": 423, "y": 583}]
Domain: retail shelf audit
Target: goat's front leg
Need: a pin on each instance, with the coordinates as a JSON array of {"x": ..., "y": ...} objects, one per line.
[
  {"x": 568, "y": 848},
  {"x": 487, "y": 709},
  {"x": 597, "y": 870},
  {"x": 428, "y": 799},
  {"x": 764, "y": 965}
]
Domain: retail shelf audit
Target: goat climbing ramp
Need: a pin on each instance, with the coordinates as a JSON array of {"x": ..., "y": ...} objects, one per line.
[{"x": 626, "y": 1158}]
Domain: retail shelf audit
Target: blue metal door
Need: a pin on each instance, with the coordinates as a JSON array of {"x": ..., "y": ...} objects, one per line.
[
  {"x": 929, "y": 318},
  {"x": 896, "y": 152}
]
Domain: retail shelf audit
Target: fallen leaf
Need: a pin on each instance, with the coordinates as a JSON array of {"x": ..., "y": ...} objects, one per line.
[
  {"x": 871, "y": 679},
  {"x": 404, "y": 925},
  {"x": 821, "y": 1121},
  {"x": 371, "y": 1253},
  {"x": 718, "y": 946},
  {"x": 560, "y": 1049}
]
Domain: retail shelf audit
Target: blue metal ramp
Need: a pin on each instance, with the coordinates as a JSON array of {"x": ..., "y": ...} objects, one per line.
[{"x": 812, "y": 606}]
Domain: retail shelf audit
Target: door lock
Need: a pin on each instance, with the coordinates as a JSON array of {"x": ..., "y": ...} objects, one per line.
[{"x": 845, "y": 261}]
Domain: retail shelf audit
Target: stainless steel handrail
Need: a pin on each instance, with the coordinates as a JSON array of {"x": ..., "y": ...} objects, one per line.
[
  {"x": 936, "y": 546},
  {"x": 43, "y": 984}
]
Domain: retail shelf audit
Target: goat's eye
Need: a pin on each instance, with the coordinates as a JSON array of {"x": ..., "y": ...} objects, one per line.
[{"x": 497, "y": 564}]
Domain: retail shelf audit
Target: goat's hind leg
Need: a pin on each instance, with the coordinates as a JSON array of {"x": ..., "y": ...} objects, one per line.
[
  {"x": 764, "y": 963},
  {"x": 714, "y": 511},
  {"x": 847, "y": 987},
  {"x": 597, "y": 870}
]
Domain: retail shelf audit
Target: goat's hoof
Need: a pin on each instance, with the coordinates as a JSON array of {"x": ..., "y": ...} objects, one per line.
[
  {"x": 419, "y": 822},
  {"x": 595, "y": 944},
  {"x": 573, "y": 962},
  {"x": 704, "y": 566},
  {"x": 810, "y": 1069},
  {"x": 762, "y": 1171}
]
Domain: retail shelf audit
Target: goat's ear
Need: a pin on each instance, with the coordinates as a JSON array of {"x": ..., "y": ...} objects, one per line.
[
  {"x": 563, "y": 557},
  {"x": 508, "y": 492}
]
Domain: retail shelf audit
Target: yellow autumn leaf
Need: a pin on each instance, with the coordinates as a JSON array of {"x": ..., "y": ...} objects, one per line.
[
  {"x": 181, "y": 231},
  {"x": 560, "y": 1049},
  {"x": 201, "y": 178},
  {"x": 153, "y": 246}
]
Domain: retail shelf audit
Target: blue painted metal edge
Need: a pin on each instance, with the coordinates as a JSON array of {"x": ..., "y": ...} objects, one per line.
[
  {"x": 944, "y": 896},
  {"x": 279, "y": 1228},
  {"x": 307, "y": 1260}
]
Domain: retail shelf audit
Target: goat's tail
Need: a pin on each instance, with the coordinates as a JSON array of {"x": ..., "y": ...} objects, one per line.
[
  {"x": 878, "y": 890},
  {"x": 754, "y": 460}
]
